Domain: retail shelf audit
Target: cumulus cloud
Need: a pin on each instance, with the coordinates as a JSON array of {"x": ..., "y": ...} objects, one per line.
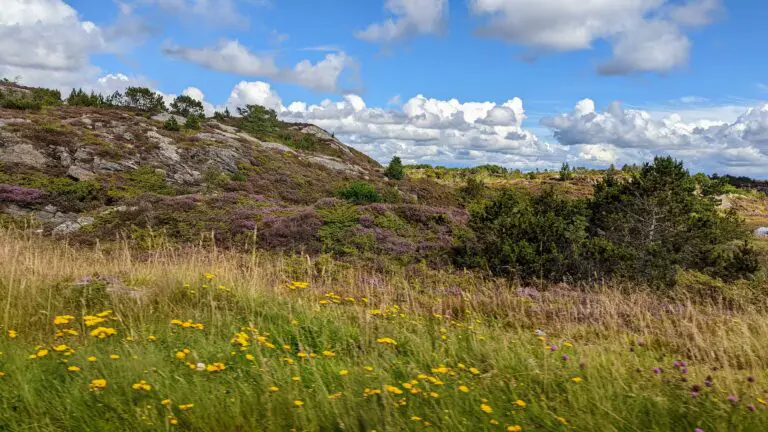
[
  {"x": 645, "y": 35},
  {"x": 635, "y": 135},
  {"x": 46, "y": 43},
  {"x": 231, "y": 56},
  {"x": 39, "y": 36},
  {"x": 411, "y": 17},
  {"x": 433, "y": 130}
]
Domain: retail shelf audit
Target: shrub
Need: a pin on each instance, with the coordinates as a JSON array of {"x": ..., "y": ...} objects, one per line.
[
  {"x": 172, "y": 125},
  {"x": 258, "y": 120},
  {"x": 359, "y": 192},
  {"x": 528, "y": 236},
  {"x": 80, "y": 98},
  {"x": 565, "y": 172},
  {"x": 193, "y": 122},
  {"x": 20, "y": 195},
  {"x": 661, "y": 224},
  {"x": 395, "y": 169}
]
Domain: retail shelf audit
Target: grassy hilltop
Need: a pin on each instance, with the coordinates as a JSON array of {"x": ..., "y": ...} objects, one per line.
[{"x": 170, "y": 272}]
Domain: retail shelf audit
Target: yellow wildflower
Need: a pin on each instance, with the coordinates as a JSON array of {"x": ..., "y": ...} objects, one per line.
[
  {"x": 521, "y": 403},
  {"x": 250, "y": 357},
  {"x": 73, "y": 369},
  {"x": 103, "y": 332},
  {"x": 13, "y": 334},
  {"x": 335, "y": 396},
  {"x": 165, "y": 402},
  {"x": 151, "y": 338},
  {"x": 577, "y": 379},
  {"x": 273, "y": 389},
  {"x": 142, "y": 385},
  {"x": 298, "y": 403},
  {"x": 114, "y": 357},
  {"x": 386, "y": 341},
  {"x": 98, "y": 384},
  {"x": 514, "y": 428},
  {"x": 343, "y": 372},
  {"x": 186, "y": 407},
  {"x": 181, "y": 355},
  {"x": 393, "y": 390},
  {"x": 91, "y": 320},
  {"x": 329, "y": 354},
  {"x": 91, "y": 358},
  {"x": 486, "y": 408},
  {"x": 62, "y": 319},
  {"x": 463, "y": 389},
  {"x": 474, "y": 371},
  {"x": 368, "y": 368}
]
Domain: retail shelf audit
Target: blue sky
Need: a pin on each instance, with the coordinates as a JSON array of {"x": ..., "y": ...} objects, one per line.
[{"x": 686, "y": 72}]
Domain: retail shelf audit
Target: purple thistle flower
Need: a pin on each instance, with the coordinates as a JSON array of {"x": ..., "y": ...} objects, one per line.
[
  {"x": 553, "y": 348},
  {"x": 694, "y": 394},
  {"x": 684, "y": 363},
  {"x": 733, "y": 398},
  {"x": 657, "y": 370},
  {"x": 751, "y": 408},
  {"x": 676, "y": 364},
  {"x": 698, "y": 430},
  {"x": 750, "y": 379},
  {"x": 565, "y": 357},
  {"x": 684, "y": 370}
]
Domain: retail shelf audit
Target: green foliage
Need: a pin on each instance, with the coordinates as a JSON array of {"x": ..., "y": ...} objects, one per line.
[
  {"x": 258, "y": 120},
  {"x": 80, "y": 98},
  {"x": 646, "y": 229},
  {"x": 359, "y": 192},
  {"x": 23, "y": 98},
  {"x": 143, "y": 99},
  {"x": 395, "y": 169},
  {"x": 472, "y": 189},
  {"x": 337, "y": 233},
  {"x": 186, "y": 106},
  {"x": 529, "y": 236},
  {"x": 140, "y": 181},
  {"x": 64, "y": 192},
  {"x": 193, "y": 122},
  {"x": 565, "y": 172},
  {"x": 172, "y": 125},
  {"x": 221, "y": 116},
  {"x": 661, "y": 224}
]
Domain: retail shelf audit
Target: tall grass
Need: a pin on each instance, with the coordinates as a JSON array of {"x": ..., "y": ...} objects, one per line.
[{"x": 356, "y": 349}]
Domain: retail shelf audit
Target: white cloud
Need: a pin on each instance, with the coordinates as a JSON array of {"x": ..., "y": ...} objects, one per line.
[
  {"x": 646, "y": 35},
  {"x": 253, "y": 93},
  {"x": 231, "y": 56},
  {"x": 227, "y": 56},
  {"x": 433, "y": 130},
  {"x": 635, "y": 135},
  {"x": 46, "y": 43},
  {"x": 411, "y": 17},
  {"x": 40, "y": 37}
]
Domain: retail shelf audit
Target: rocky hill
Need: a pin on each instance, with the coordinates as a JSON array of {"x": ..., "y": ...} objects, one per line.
[{"x": 105, "y": 172}]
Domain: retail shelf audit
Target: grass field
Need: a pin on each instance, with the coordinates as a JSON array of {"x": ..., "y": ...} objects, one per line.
[{"x": 205, "y": 340}]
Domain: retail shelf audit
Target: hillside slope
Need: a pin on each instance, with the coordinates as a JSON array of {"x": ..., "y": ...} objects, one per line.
[{"x": 106, "y": 172}]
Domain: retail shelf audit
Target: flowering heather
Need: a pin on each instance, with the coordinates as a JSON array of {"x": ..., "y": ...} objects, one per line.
[{"x": 20, "y": 195}]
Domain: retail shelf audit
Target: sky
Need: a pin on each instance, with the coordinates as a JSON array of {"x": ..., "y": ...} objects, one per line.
[{"x": 527, "y": 84}]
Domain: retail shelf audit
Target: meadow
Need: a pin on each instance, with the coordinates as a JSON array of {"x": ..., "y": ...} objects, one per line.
[{"x": 201, "y": 339}]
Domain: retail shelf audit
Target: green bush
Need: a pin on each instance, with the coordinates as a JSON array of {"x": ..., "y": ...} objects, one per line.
[
  {"x": 395, "y": 169},
  {"x": 359, "y": 192},
  {"x": 172, "y": 125},
  {"x": 647, "y": 229},
  {"x": 193, "y": 122},
  {"x": 528, "y": 236}
]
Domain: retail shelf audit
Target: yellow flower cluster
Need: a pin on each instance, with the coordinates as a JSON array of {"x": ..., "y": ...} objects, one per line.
[
  {"x": 294, "y": 285},
  {"x": 187, "y": 324},
  {"x": 103, "y": 332},
  {"x": 98, "y": 384},
  {"x": 142, "y": 385}
]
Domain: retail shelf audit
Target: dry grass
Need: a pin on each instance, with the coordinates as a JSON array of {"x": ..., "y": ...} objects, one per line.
[{"x": 614, "y": 337}]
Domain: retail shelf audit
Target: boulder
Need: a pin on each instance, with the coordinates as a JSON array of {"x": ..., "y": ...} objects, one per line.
[
  {"x": 23, "y": 154},
  {"x": 79, "y": 173},
  {"x": 761, "y": 232}
]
